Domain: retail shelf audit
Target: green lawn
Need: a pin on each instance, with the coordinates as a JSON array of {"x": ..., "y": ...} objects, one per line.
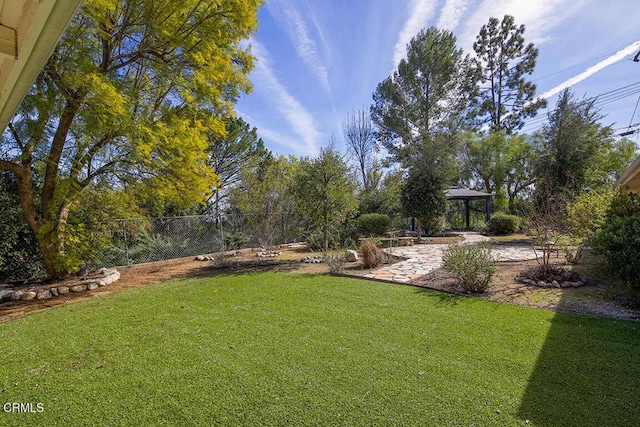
[{"x": 276, "y": 349}]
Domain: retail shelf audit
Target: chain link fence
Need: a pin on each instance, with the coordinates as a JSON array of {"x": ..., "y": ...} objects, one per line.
[{"x": 140, "y": 240}]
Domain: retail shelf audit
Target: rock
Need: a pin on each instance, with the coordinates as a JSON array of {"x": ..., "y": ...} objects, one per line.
[
  {"x": 63, "y": 290},
  {"x": 100, "y": 283},
  {"x": 5, "y": 294},
  {"x": 556, "y": 284},
  {"x": 106, "y": 271},
  {"x": 91, "y": 286},
  {"x": 16, "y": 295},
  {"x": 27, "y": 296},
  {"x": 542, "y": 284},
  {"x": 78, "y": 288},
  {"x": 44, "y": 294},
  {"x": 115, "y": 275},
  {"x": 351, "y": 256},
  {"x": 201, "y": 258},
  {"x": 54, "y": 292}
]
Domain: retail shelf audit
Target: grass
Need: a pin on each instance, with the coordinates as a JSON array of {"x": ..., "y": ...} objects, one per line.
[{"x": 272, "y": 349}]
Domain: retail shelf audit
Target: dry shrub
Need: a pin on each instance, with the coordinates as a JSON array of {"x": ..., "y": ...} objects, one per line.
[{"x": 372, "y": 256}]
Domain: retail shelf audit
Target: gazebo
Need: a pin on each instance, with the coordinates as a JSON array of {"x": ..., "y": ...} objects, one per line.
[{"x": 466, "y": 194}]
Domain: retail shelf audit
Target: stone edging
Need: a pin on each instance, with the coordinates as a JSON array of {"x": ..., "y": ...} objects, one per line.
[{"x": 109, "y": 275}]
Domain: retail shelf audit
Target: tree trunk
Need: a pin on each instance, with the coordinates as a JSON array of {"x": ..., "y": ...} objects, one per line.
[
  {"x": 418, "y": 229},
  {"x": 325, "y": 232}
]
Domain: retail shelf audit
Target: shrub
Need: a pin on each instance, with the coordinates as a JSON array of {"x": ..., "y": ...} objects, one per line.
[
  {"x": 432, "y": 225},
  {"x": 587, "y": 214},
  {"x": 372, "y": 256},
  {"x": 502, "y": 223},
  {"x": 236, "y": 240},
  {"x": 335, "y": 263},
  {"x": 473, "y": 264},
  {"x": 619, "y": 238},
  {"x": 373, "y": 224},
  {"x": 619, "y": 242}
]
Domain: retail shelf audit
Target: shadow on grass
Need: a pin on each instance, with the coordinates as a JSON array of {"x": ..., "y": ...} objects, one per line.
[
  {"x": 587, "y": 374},
  {"x": 443, "y": 298}
]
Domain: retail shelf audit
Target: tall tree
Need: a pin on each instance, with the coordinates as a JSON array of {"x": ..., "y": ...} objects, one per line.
[
  {"x": 423, "y": 196},
  {"x": 128, "y": 94},
  {"x": 427, "y": 95},
  {"x": 500, "y": 164},
  {"x": 571, "y": 149},
  {"x": 228, "y": 154},
  {"x": 325, "y": 190},
  {"x": 506, "y": 98},
  {"x": 361, "y": 145},
  {"x": 264, "y": 196}
]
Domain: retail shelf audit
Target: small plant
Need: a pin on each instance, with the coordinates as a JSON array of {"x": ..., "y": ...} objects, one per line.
[
  {"x": 474, "y": 265},
  {"x": 335, "y": 263},
  {"x": 372, "y": 256},
  {"x": 502, "y": 223}
]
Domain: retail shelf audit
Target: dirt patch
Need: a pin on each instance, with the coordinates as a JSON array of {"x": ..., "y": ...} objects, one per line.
[
  {"x": 601, "y": 296},
  {"x": 598, "y": 297}
]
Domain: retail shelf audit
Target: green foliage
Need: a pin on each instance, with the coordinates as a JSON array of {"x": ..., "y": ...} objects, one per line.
[
  {"x": 373, "y": 224},
  {"x": 474, "y": 265},
  {"x": 229, "y": 154},
  {"x": 236, "y": 240},
  {"x": 423, "y": 196},
  {"x": 128, "y": 96},
  {"x": 372, "y": 256},
  {"x": 502, "y": 164},
  {"x": 574, "y": 152},
  {"x": 324, "y": 190},
  {"x": 427, "y": 95},
  {"x": 505, "y": 97},
  {"x": 587, "y": 214},
  {"x": 619, "y": 238},
  {"x": 503, "y": 223},
  {"x": 264, "y": 198},
  {"x": 19, "y": 255}
]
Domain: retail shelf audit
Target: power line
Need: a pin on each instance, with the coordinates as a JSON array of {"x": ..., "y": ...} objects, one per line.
[{"x": 599, "y": 100}]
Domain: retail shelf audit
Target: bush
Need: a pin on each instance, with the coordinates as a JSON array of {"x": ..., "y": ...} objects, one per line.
[
  {"x": 502, "y": 223},
  {"x": 619, "y": 238},
  {"x": 619, "y": 242},
  {"x": 372, "y": 256},
  {"x": 433, "y": 225},
  {"x": 473, "y": 264},
  {"x": 587, "y": 214},
  {"x": 236, "y": 240},
  {"x": 373, "y": 224},
  {"x": 335, "y": 263}
]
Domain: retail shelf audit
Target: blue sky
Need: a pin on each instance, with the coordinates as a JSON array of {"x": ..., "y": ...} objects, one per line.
[{"x": 318, "y": 60}]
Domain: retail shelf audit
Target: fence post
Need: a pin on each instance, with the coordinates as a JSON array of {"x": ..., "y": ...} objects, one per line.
[{"x": 126, "y": 245}]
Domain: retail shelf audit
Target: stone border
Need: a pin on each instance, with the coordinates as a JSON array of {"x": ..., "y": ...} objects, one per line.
[
  {"x": 554, "y": 284},
  {"x": 109, "y": 275}
]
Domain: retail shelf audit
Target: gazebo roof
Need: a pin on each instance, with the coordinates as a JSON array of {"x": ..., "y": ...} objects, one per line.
[{"x": 465, "y": 193}]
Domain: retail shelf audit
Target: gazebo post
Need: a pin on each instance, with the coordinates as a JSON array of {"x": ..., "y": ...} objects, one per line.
[
  {"x": 466, "y": 211},
  {"x": 487, "y": 204}
]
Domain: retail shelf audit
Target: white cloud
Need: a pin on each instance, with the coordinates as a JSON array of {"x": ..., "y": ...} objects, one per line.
[
  {"x": 539, "y": 17},
  {"x": 618, "y": 56},
  {"x": 419, "y": 15},
  {"x": 451, "y": 13},
  {"x": 297, "y": 31},
  {"x": 299, "y": 119}
]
